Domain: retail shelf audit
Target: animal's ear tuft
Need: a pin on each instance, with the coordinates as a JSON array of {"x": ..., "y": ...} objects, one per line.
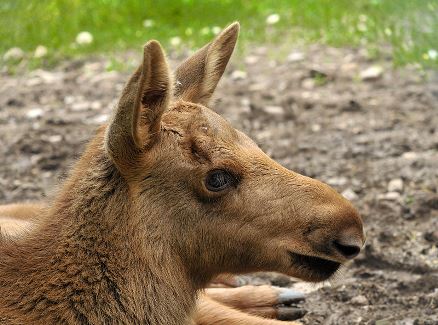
[
  {"x": 198, "y": 76},
  {"x": 136, "y": 122}
]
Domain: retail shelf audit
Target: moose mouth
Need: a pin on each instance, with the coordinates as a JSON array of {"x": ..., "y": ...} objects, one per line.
[{"x": 318, "y": 269}]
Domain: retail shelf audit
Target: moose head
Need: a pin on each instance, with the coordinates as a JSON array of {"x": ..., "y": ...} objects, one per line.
[{"x": 207, "y": 190}]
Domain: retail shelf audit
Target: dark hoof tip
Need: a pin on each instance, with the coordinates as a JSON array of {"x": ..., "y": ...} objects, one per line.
[{"x": 290, "y": 313}]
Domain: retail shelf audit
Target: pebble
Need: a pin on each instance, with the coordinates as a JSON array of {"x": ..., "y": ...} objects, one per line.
[
  {"x": 84, "y": 38},
  {"x": 272, "y": 19},
  {"x": 360, "y": 300},
  {"x": 80, "y": 106},
  {"x": 337, "y": 181},
  {"x": 68, "y": 100},
  {"x": 238, "y": 75},
  {"x": 372, "y": 73},
  {"x": 13, "y": 54},
  {"x": 257, "y": 87},
  {"x": 40, "y": 52},
  {"x": 315, "y": 127},
  {"x": 216, "y": 30},
  {"x": 175, "y": 41},
  {"x": 295, "y": 57},
  {"x": 410, "y": 155},
  {"x": 308, "y": 84},
  {"x": 274, "y": 110},
  {"x": 41, "y": 76},
  {"x": 245, "y": 106},
  {"x": 395, "y": 185},
  {"x": 100, "y": 119},
  {"x": 349, "y": 194},
  {"x": 55, "y": 138},
  {"x": 95, "y": 105},
  {"x": 390, "y": 196},
  {"x": 251, "y": 59},
  {"x": 34, "y": 113}
]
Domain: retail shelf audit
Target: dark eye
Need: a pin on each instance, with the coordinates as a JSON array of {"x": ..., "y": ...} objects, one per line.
[{"x": 219, "y": 180}]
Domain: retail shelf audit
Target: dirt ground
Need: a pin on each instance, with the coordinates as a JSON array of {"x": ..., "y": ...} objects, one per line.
[{"x": 374, "y": 140}]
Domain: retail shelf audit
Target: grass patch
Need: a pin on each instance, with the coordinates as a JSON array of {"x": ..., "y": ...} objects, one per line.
[{"x": 409, "y": 28}]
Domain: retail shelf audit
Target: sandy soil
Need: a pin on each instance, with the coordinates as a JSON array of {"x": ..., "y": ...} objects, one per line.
[{"x": 375, "y": 140}]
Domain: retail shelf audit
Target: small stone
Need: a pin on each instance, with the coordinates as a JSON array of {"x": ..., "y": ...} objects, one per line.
[
  {"x": 349, "y": 194},
  {"x": 216, "y": 30},
  {"x": 257, "y": 87},
  {"x": 295, "y": 57},
  {"x": 245, "y": 105},
  {"x": 372, "y": 73},
  {"x": 251, "y": 59},
  {"x": 34, "y": 113},
  {"x": 13, "y": 54},
  {"x": 410, "y": 155},
  {"x": 84, "y": 38},
  {"x": 175, "y": 41},
  {"x": 68, "y": 100},
  {"x": 360, "y": 300},
  {"x": 40, "y": 52},
  {"x": 80, "y": 106},
  {"x": 395, "y": 185},
  {"x": 96, "y": 105},
  {"x": 238, "y": 75},
  {"x": 315, "y": 127},
  {"x": 245, "y": 101},
  {"x": 337, "y": 181},
  {"x": 273, "y": 19},
  {"x": 274, "y": 110},
  {"x": 54, "y": 138},
  {"x": 43, "y": 77},
  {"x": 308, "y": 83},
  {"x": 390, "y": 196},
  {"x": 101, "y": 119}
]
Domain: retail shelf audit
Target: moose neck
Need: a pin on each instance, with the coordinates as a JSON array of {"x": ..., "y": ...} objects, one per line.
[{"x": 93, "y": 258}]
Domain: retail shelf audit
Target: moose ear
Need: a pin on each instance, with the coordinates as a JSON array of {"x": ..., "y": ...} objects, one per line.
[
  {"x": 198, "y": 76},
  {"x": 136, "y": 122}
]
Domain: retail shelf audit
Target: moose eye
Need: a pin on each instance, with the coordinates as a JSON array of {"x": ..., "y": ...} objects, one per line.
[{"x": 219, "y": 180}]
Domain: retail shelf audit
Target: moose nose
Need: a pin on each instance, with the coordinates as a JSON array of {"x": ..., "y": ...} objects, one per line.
[
  {"x": 348, "y": 246},
  {"x": 348, "y": 251}
]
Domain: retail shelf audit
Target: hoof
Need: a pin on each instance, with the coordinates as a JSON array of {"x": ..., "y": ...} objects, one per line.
[
  {"x": 288, "y": 296},
  {"x": 290, "y": 313}
]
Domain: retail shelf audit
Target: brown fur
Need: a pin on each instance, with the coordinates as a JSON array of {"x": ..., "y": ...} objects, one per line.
[
  {"x": 212, "y": 312},
  {"x": 134, "y": 233},
  {"x": 16, "y": 219}
]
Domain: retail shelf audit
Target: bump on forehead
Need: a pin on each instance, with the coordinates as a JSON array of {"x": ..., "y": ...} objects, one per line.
[{"x": 198, "y": 119}]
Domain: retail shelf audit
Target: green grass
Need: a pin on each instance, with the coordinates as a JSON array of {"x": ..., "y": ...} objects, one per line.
[{"x": 409, "y": 28}]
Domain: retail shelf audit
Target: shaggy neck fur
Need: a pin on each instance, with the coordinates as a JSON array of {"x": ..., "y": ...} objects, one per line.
[{"x": 92, "y": 260}]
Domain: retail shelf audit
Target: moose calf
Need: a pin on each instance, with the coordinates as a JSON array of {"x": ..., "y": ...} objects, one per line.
[{"x": 165, "y": 197}]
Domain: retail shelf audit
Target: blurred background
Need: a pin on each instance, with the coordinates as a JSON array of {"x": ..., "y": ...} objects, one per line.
[
  {"x": 405, "y": 30},
  {"x": 344, "y": 91}
]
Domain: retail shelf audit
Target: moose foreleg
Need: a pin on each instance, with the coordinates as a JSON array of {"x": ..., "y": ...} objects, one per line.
[
  {"x": 211, "y": 312},
  {"x": 266, "y": 301}
]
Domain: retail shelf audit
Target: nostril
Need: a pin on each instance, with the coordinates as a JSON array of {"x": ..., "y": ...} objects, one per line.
[{"x": 348, "y": 251}]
